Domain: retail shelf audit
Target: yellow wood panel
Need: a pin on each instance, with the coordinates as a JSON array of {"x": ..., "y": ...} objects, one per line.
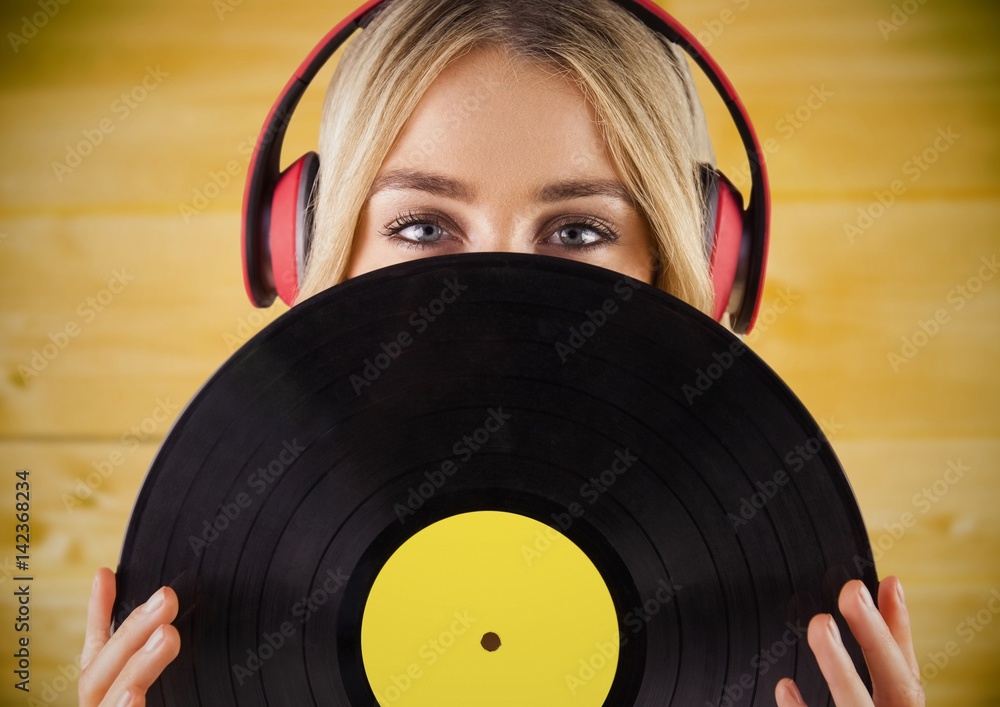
[
  {"x": 930, "y": 508},
  {"x": 90, "y": 350},
  {"x": 891, "y": 92},
  {"x": 844, "y": 322},
  {"x": 68, "y": 543}
]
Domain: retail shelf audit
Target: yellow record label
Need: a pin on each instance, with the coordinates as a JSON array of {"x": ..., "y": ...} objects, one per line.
[{"x": 489, "y": 608}]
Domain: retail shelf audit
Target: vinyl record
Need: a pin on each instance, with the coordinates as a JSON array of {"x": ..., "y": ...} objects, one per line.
[{"x": 494, "y": 479}]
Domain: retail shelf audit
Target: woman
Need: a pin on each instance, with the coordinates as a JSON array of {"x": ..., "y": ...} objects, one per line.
[{"x": 564, "y": 129}]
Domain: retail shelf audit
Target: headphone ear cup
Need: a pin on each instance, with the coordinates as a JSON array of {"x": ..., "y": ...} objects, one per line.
[
  {"x": 708, "y": 178},
  {"x": 725, "y": 234},
  {"x": 291, "y": 225}
]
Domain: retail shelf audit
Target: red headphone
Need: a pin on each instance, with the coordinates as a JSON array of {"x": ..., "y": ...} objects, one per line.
[{"x": 276, "y": 227}]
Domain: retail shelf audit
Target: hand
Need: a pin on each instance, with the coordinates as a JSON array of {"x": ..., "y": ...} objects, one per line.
[
  {"x": 118, "y": 669},
  {"x": 885, "y": 640}
]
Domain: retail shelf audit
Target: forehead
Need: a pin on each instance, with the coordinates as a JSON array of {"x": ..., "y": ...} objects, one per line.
[{"x": 489, "y": 111}]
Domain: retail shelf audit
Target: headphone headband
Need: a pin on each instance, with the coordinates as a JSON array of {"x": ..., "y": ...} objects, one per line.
[
  {"x": 265, "y": 164},
  {"x": 264, "y": 169}
]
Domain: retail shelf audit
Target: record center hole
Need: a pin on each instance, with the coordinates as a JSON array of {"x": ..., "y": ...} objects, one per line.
[{"x": 490, "y": 641}]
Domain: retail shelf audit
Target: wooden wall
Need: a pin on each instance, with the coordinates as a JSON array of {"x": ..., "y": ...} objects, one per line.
[{"x": 138, "y": 300}]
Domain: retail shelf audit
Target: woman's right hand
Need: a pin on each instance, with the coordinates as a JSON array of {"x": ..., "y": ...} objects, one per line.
[{"x": 118, "y": 669}]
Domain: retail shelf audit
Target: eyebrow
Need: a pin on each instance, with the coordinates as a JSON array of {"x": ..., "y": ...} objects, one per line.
[
  {"x": 580, "y": 188},
  {"x": 435, "y": 184},
  {"x": 440, "y": 185}
]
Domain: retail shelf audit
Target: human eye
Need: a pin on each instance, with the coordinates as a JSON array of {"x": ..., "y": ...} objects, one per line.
[
  {"x": 583, "y": 233},
  {"x": 415, "y": 230}
]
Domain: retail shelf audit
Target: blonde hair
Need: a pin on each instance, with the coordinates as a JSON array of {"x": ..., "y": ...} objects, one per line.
[{"x": 639, "y": 85}]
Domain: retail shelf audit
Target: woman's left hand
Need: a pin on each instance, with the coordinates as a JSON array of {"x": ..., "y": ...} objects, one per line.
[{"x": 884, "y": 636}]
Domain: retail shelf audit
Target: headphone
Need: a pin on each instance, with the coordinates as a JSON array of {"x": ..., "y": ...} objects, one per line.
[{"x": 276, "y": 224}]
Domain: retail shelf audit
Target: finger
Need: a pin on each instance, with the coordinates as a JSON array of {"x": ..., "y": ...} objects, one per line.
[
  {"x": 787, "y": 694},
  {"x": 130, "y": 699},
  {"x": 835, "y": 663},
  {"x": 892, "y": 677},
  {"x": 892, "y": 604},
  {"x": 102, "y": 599},
  {"x": 127, "y": 640},
  {"x": 144, "y": 668}
]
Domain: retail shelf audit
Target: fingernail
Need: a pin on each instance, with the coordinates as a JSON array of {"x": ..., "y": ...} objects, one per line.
[
  {"x": 154, "y": 603},
  {"x": 126, "y": 700},
  {"x": 899, "y": 591},
  {"x": 794, "y": 693},
  {"x": 866, "y": 598},
  {"x": 155, "y": 640},
  {"x": 834, "y": 631}
]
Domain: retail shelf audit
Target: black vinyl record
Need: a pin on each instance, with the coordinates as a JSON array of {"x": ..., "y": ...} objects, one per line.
[{"x": 294, "y": 460}]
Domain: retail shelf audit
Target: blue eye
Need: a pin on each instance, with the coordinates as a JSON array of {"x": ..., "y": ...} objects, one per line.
[
  {"x": 578, "y": 235},
  {"x": 421, "y": 232},
  {"x": 583, "y": 233},
  {"x": 427, "y": 230},
  {"x": 414, "y": 231}
]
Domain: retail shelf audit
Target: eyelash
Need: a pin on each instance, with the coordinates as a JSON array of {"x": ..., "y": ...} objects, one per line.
[
  {"x": 609, "y": 234},
  {"x": 406, "y": 220}
]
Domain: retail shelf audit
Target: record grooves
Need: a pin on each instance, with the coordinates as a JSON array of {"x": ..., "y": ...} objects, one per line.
[{"x": 492, "y": 382}]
